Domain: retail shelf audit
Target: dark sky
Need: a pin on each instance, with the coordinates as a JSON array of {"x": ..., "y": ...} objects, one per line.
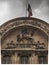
[{"x": 10, "y": 9}]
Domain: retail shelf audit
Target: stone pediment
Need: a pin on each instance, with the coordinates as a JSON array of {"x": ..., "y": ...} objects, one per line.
[{"x": 24, "y": 37}]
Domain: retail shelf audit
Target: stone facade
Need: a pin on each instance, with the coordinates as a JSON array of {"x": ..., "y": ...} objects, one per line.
[{"x": 24, "y": 41}]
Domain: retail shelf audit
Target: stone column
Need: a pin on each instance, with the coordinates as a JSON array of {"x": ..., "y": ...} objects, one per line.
[
  {"x": 33, "y": 59},
  {"x": 30, "y": 60},
  {"x": 47, "y": 59},
  {"x": 18, "y": 60},
  {"x": 15, "y": 58},
  {"x": 1, "y": 58}
]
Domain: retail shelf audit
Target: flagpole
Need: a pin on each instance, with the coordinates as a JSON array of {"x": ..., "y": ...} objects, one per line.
[{"x": 26, "y": 7}]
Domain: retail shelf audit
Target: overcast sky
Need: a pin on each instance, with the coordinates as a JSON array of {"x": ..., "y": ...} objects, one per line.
[{"x": 10, "y": 9}]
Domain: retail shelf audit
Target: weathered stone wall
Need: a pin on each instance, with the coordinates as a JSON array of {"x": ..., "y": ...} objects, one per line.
[{"x": 10, "y": 30}]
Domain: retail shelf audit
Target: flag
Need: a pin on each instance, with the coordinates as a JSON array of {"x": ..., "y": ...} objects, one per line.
[{"x": 29, "y": 10}]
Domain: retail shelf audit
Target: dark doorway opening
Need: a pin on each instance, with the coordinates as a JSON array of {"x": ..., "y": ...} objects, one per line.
[{"x": 24, "y": 59}]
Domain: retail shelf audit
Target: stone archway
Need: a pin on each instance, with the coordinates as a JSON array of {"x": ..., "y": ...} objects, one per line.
[{"x": 24, "y": 33}]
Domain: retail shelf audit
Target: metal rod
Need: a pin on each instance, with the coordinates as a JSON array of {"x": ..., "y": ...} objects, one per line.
[{"x": 26, "y": 7}]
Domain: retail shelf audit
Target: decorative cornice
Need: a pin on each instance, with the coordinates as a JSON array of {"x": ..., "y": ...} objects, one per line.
[{"x": 25, "y": 21}]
